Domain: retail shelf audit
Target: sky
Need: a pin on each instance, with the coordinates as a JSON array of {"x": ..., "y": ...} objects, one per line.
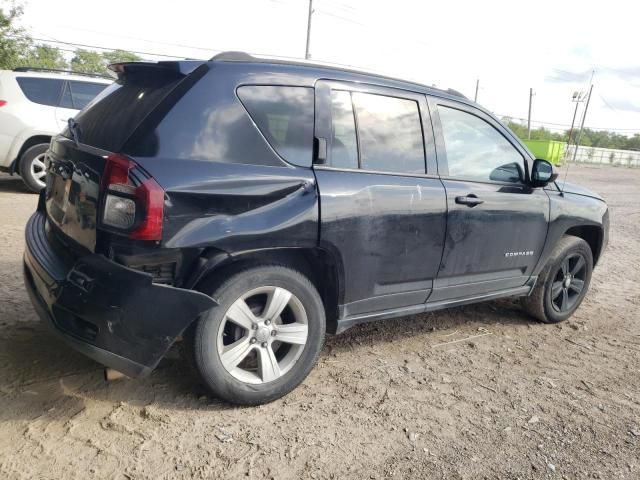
[{"x": 510, "y": 46}]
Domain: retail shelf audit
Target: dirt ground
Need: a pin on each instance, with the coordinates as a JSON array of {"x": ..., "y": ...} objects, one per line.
[{"x": 393, "y": 399}]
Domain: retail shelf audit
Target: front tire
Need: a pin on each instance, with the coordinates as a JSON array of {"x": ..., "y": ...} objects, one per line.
[
  {"x": 32, "y": 167},
  {"x": 262, "y": 339},
  {"x": 562, "y": 283}
]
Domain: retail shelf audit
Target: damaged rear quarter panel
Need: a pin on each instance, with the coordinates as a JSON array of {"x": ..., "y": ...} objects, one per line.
[{"x": 236, "y": 207}]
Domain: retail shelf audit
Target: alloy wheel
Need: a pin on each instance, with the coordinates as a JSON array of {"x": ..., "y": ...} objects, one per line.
[
  {"x": 38, "y": 169},
  {"x": 568, "y": 282},
  {"x": 262, "y": 335}
]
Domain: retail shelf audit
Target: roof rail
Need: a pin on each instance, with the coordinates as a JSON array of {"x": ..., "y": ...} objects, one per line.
[
  {"x": 236, "y": 56},
  {"x": 56, "y": 70}
]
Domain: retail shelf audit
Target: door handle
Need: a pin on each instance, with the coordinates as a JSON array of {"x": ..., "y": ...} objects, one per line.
[
  {"x": 321, "y": 150},
  {"x": 470, "y": 200}
]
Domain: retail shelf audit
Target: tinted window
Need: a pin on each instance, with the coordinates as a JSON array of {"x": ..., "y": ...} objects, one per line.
[
  {"x": 476, "y": 150},
  {"x": 390, "y": 133},
  {"x": 344, "y": 145},
  {"x": 284, "y": 115},
  {"x": 45, "y": 91},
  {"x": 83, "y": 92},
  {"x": 112, "y": 115},
  {"x": 202, "y": 120}
]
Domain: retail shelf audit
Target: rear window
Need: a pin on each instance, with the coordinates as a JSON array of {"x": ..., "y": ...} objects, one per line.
[
  {"x": 77, "y": 95},
  {"x": 44, "y": 91},
  {"x": 284, "y": 115},
  {"x": 208, "y": 122},
  {"x": 116, "y": 111}
]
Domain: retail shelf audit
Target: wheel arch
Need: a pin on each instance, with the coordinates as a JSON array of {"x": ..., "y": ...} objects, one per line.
[
  {"x": 320, "y": 266},
  {"x": 593, "y": 235},
  {"x": 26, "y": 145}
]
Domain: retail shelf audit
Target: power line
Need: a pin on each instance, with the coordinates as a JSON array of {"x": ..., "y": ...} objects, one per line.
[
  {"x": 73, "y": 44},
  {"x": 159, "y": 42},
  {"x": 364, "y": 25},
  {"x": 346, "y": 19},
  {"x": 341, "y": 5},
  {"x": 83, "y": 45},
  {"x": 607, "y": 103},
  {"x": 259, "y": 54}
]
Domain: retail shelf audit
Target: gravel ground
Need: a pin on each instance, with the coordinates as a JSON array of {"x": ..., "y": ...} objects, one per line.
[{"x": 391, "y": 399}]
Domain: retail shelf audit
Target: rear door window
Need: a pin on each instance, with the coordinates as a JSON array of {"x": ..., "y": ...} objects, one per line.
[
  {"x": 284, "y": 115},
  {"x": 44, "y": 91},
  {"x": 390, "y": 133}
]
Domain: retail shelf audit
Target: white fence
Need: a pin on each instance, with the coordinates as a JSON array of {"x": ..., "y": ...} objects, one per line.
[{"x": 604, "y": 156}]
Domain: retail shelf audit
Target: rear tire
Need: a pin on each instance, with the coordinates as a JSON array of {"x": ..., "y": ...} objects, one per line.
[
  {"x": 32, "y": 168},
  {"x": 562, "y": 283},
  {"x": 262, "y": 339}
]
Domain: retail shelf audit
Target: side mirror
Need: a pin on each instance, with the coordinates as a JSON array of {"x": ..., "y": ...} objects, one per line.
[{"x": 542, "y": 173}]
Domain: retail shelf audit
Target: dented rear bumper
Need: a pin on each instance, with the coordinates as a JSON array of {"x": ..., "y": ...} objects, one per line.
[{"x": 109, "y": 312}]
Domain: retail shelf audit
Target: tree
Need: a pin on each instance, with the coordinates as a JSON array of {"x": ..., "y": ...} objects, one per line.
[
  {"x": 43, "y": 56},
  {"x": 634, "y": 142},
  {"x": 88, "y": 61},
  {"x": 13, "y": 40},
  {"x": 117, "y": 56},
  {"x": 17, "y": 48},
  {"x": 589, "y": 137}
]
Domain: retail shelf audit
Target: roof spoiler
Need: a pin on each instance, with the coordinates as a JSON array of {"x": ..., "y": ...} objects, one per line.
[{"x": 180, "y": 68}]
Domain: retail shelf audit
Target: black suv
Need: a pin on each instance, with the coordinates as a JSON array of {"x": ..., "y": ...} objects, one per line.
[{"x": 247, "y": 206}]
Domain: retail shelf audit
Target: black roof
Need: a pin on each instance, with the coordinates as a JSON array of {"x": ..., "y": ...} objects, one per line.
[{"x": 234, "y": 56}]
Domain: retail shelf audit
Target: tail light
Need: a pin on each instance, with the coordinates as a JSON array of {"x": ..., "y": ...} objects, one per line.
[
  {"x": 3, "y": 103},
  {"x": 133, "y": 202}
]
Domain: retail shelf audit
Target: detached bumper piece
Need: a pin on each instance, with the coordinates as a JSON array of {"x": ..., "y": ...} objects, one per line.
[{"x": 111, "y": 313}]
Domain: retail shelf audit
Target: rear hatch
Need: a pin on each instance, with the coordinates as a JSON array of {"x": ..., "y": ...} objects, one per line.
[{"x": 88, "y": 149}]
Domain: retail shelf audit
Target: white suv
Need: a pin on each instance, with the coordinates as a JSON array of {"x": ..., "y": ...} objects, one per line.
[{"x": 35, "y": 104}]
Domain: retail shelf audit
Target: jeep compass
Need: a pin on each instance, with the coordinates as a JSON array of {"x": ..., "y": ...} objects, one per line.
[{"x": 247, "y": 206}]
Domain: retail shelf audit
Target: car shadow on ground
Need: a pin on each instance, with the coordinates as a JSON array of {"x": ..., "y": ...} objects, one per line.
[
  {"x": 38, "y": 367},
  {"x": 13, "y": 184},
  {"x": 505, "y": 312}
]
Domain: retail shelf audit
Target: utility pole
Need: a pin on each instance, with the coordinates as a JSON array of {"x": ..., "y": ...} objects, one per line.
[
  {"x": 577, "y": 98},
  {"x": 529, "y": 117},
  {"x": 475, "y": 99},
  {"x": 584, "y": 116},
  {"x": 306, "y": 52}
]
